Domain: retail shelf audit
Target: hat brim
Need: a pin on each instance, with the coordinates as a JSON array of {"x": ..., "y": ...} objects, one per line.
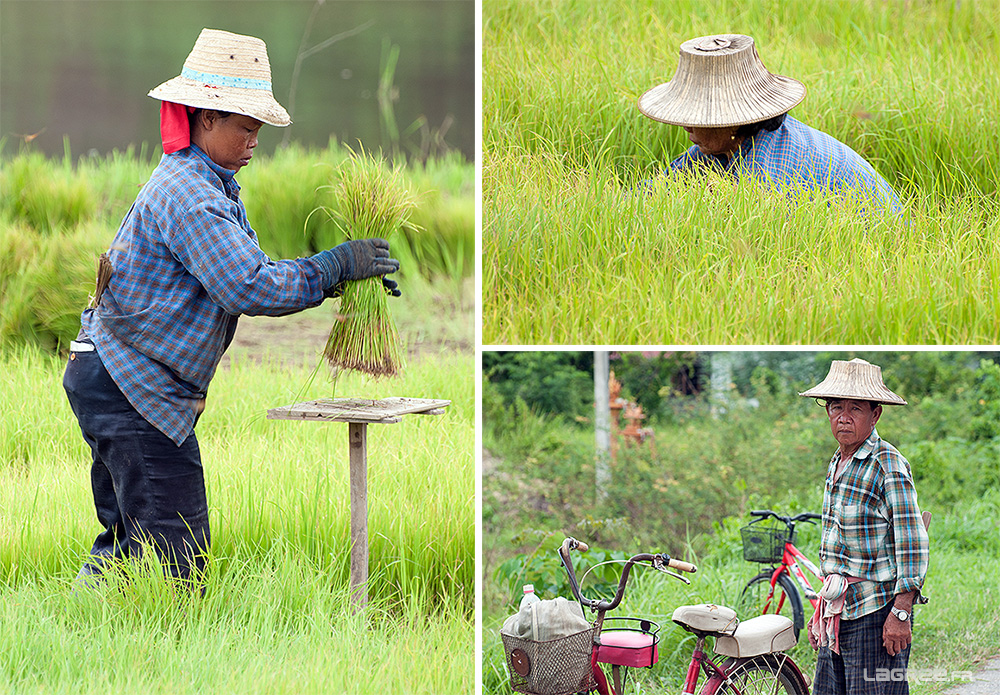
[
  {"x": 256, "y": 103},
  {"x": 883, "y": 395},
  {"x": 676, "y": 105}
]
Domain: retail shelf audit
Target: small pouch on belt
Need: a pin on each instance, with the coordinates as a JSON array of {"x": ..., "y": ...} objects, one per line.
[{"x": 104, "y": 270}]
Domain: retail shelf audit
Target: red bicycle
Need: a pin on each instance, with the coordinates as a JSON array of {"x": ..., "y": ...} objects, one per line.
[
  {"x": 754, "y": 650},
  {"x": 777, "y": 590}
]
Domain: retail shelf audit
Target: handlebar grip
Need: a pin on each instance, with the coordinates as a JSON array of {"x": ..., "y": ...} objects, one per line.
[
  {"x": 681, "y": 565},
  {"x": 582, "y": 547},
  {"x": 761, "y": 512}
]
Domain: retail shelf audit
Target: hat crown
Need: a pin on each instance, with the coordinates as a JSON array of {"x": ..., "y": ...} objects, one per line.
[
  {"x": 721, "y": 81},
  {"x": 226, "y": 72},
  {"x": 224, "y": 54},
  {"x": 857, "y": 380}
]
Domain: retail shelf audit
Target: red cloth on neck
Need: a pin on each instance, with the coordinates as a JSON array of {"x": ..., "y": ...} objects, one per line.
[{"x": 175, "y": 130}]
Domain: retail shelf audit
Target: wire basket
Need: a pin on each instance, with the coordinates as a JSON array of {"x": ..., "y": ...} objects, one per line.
[
  {"x": 763, "y": 543},
  {"x": 556, "y": 667}
]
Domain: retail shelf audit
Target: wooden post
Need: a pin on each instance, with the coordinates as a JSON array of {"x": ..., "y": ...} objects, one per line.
[
  {"x": 358, "y": 413},
  {"x": 358, "y": 434}
]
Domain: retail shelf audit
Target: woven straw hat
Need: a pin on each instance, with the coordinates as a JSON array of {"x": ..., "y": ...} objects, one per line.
[
  {"x": 721, "y": 81},
  {"x": 227, "y": 72},
  {"x": 857, "y": 380}
]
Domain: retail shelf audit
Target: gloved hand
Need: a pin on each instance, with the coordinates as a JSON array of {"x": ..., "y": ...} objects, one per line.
[
  {"x": 391, "y": 288},
  {"x": 355, "y": 260}
]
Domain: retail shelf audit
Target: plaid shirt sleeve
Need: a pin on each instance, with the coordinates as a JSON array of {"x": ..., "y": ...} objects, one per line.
[{"x": 910, "y": 540}]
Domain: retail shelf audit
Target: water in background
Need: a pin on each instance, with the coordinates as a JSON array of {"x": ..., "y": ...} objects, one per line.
[{"x": 82, "y": 69}]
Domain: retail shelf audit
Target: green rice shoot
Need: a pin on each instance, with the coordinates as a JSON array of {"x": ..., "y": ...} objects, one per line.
[{"x": 373, "y": 201}]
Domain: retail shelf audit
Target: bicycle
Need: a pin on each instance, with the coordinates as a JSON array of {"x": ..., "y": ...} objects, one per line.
[
  {"x": 755, "y": 663},
  {"x": 773, "y": 590}
]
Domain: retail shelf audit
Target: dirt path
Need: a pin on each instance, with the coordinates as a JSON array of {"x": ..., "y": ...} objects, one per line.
[{"x": 984, "y": 682}]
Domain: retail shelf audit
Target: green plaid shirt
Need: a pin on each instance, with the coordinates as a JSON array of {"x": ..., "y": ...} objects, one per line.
[{"x": 872, "y": 527}]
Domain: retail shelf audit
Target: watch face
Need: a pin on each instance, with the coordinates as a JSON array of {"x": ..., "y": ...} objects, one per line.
[{"x": 901, "y": 614}]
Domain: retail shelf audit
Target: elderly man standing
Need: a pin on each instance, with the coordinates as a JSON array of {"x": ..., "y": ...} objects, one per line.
[{"x": 874, "y": 547}]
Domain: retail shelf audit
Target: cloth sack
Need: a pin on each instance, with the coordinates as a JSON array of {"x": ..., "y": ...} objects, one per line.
[{"x": 546, "y": 620}]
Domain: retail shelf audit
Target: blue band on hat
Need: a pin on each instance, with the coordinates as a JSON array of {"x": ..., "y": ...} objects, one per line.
[{"x": 225, "y": 80}]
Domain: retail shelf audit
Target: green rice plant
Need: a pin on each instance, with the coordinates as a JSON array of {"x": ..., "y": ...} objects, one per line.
[{"x": 373, "y": 201}]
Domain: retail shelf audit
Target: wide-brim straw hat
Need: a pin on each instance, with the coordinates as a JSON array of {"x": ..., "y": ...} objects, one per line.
[
  {"x": 721, "y": 81},
  {"x": 226, "y": 72},
  {"x": 857, "y": 380}
]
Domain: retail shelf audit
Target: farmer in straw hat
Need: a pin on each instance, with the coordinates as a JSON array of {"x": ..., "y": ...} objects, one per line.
[
  {"x": 736, "y": 113},
  {"x": 183, "y": 266},
  {"x": 873, "y": 552}
]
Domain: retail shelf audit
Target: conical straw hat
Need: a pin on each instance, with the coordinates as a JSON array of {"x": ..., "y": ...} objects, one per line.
[
  {"x": 857, "y": 380},
  {"x": 721, "y": 81},
  {"x": 226, "y": 72}
]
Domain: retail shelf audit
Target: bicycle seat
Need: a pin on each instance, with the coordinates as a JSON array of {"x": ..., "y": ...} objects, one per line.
[
  {"x": 706, "y": 618},
  {"x": 761, "y": 635}
]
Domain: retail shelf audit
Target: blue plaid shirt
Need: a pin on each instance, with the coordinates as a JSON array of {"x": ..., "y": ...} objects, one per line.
[
  {"x": 796, "y": 153},
  {"x": 186, "y": 265},
  {"x": 872, "y": 527}
]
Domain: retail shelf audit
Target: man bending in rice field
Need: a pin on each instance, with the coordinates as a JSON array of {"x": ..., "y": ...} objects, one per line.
[{"x": 736, "y": 113}]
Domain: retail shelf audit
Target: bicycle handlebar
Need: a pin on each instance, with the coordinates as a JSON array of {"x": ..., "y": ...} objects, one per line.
[
  {"x": 658, "y": 561},
  {"x": 789, "y": 520}
]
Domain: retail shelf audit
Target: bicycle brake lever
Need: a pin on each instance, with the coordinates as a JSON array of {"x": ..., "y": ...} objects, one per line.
[{"x": 658, "y": 564}]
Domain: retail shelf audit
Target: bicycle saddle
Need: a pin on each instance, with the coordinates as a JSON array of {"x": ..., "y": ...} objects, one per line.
[
  {"x": 707, "y": 619},
  {"x": 761, "y": 635}
]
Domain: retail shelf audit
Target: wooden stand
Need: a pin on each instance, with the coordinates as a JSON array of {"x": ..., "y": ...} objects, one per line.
[{"x": 359, "y": 413}]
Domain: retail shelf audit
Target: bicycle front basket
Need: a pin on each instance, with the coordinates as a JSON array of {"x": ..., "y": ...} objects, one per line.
[
  {"x": 763, "y": 543},
  {"x": 556, "y": 667}
]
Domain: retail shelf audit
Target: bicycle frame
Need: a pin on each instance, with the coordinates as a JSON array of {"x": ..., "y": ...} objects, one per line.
[{"x": 792, "y": 561}]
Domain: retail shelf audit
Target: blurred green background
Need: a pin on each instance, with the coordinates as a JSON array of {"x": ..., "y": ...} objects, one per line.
[{"x": 82, "y": 69}]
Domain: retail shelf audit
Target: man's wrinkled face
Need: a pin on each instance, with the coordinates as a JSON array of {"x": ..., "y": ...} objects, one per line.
[
  {"x": 230, "y": 141},
  {"x": 852, "y": 421}
]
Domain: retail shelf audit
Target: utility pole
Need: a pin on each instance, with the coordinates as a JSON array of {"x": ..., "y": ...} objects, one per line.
[{"x": 602, "y": 424}]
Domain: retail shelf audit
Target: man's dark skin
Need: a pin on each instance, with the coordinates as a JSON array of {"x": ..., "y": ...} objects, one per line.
[
  {"x": 852, "y": 422},
  {"x": 717, "y": 141},
  {"x": 229, "y": 140}
]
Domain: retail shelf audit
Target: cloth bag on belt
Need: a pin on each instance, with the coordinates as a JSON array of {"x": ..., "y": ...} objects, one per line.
[{"x": 546, "y": 620}]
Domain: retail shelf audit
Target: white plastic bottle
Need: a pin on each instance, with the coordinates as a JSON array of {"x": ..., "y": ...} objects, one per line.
[{"x": 529, "y": 596}]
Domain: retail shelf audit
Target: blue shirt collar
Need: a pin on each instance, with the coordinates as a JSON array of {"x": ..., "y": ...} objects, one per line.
[{"x": 224, "y": 173}]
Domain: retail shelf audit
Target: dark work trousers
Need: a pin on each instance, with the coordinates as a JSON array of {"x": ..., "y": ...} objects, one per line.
[
  {"x": 147, "y": 490},
  {"x": 863, "y": 666}
]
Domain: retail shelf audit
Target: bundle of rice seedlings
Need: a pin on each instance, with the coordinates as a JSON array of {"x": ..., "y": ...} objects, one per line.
[{"x": 373, "y": 201}]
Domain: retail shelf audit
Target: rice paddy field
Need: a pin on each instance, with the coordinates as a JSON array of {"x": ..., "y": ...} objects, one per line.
[
  {"x": 276, "y": 615},
  {"x": 577, "y": 250}
]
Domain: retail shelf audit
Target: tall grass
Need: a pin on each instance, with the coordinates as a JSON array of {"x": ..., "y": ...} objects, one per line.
[
  {"x": 275, "y": 616},
  {"x": 566, "y": 260},
  {"x": 580, "y": 260}
]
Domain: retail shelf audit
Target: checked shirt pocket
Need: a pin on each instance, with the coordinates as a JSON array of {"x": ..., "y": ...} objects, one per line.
[{"x": 863, "y": 531}]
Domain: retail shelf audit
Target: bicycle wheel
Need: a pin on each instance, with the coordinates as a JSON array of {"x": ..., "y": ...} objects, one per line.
[
  {"x": 759, "y": 675},
  {"x": 786, "y": 600}
]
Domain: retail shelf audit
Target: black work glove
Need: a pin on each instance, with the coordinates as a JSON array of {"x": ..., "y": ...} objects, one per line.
[
  {"x": 355, "y": 260},
  {"x": 391, "y": 288}
]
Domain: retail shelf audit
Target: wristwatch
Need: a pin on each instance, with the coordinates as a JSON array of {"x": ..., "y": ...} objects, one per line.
[{"x": 901, "y": 614}]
